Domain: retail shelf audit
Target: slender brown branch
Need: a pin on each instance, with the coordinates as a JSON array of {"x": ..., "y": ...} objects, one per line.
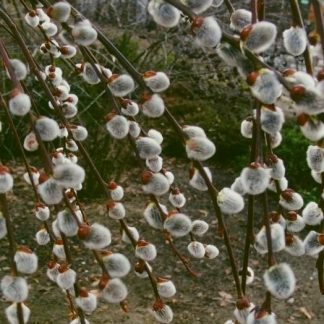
[
  {"x": 12, "y": 247},
  {"x": 254, "y": 10},
  {"x": 229, "y": 6}
]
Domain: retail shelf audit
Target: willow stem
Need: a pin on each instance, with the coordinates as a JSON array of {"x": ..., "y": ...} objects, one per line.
[{"x": 12, "y": 247}]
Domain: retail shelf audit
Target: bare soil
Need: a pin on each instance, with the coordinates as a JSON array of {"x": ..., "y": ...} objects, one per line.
[{"x": 208, "y": 299}]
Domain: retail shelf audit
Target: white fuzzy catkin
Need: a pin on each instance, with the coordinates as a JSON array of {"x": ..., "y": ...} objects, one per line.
[
  {"x": 242, "y": 313},
  {"x": 60, "y": 11},
  {"x": 312, "y": 214},
  {"x": 51, "y": 192},
  {"x": 12, "y": 313},
  {"x": 170, "y": 176},
  {"x": 166, "y": 288},
  {"x": 277, "y": 239},
  {"x": 42, "y": 237},
  {"x": 134, "y": 129},
  {"x": 117, "y": 265},
  {"x": 275, "y": 139},
  {"x": 294, "y": 246},
  {"x": 197, "y": 181},
  {"x": 27, "y": 262},
  {"x": 47, "y": 128},
  {"x": 98, "y": 238},
  {"x": 164, "y": 14},
  {"x": 65, "y": 280},
  {"x": 157, "y": 185},
  {"x": 316, "y": 176},
  {"x": 239, "y": 19},
  {"x": 156, "y": 81},
  {"x": 115, "y": 291},
  {"x": 199, "y": 227},
  {"x": 208, "y": 33},
  {"x": 261, "y": 317},
  {"x": 68, "y": 51},
  {"x": 295, "y": 40},
  {"x": 198, "y": 6},
  {"x": 196, "y": 249},
  {"x": 117, "y": 192},
  {"x": 14, "y": 289},
  {"x": 69, "y": 110},
  {"x": 78, "y": 321},
  {"x": 34, "y": 177},
  {"x": 129, "y": 108},
  {"x": 211, "y": 251},
  {"x": 71, "y": 146},
  {"x": 177, "y": 224},
  {"x": 6, "y": 181},
  {"x": 153, "y": 107},
  {"x": 58, "y": 250},
  {"x": 50, "y": 30},
  {"x": 193, "y": 131},
  {"x": 79, "y": 133},
  {"x": 19, "y": 104},
  {"x": 162, "y": 313},
  {"x": 296, "y": 224},
  {"x": 146, "y": 251},
  {"x": 278, "y": 218},
  {"x": 177, "y": 199},
  {"x": 67, "y": 224},
  {"x": 229, "y": 201},
  {"x": 261, "y": 36},
  {"x": 266, "y": 87},
  {"x": 307, "y": 100},
  {"x": 52, "y": 271},
  {"x": 87, "y": 303},
  {"x": 313, "y": 129},
  {"x": 19, "y": 69},
  {"x": 122, "y": 85},
  {"x": 277, "y": 168},
  {"x": 238, "y": 187},
  {"x": 299, "y": 78},
  {"x": 312, "y": 244},
  {"x": 154, "y": 163},
  {"x": 118, "y": 126},
  {"x": 272, "y": 119},
  {"x": 255, "y": 179},
  {"x": 291, "y": 200},
  {"x": 315, "y": 158},
  {"x": 89, "y": 74},
  {"x": 30, "y": 142},
  {"x": 32, "y": 19},
  {"x": 200, "y": 148},
  {"x": 153, "y": 216},
  {"x": 42, "y": 212},
  {"x": 43, "y": 17},
  {"x": 147, "y": 147},
  {"x": 83, "y": 33},
  {"x": 280, "y": 280},
  {"x": 156, "y": 135},
  {"x": 68, "y": 175},
  {"x": 247, "y": 128}
]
